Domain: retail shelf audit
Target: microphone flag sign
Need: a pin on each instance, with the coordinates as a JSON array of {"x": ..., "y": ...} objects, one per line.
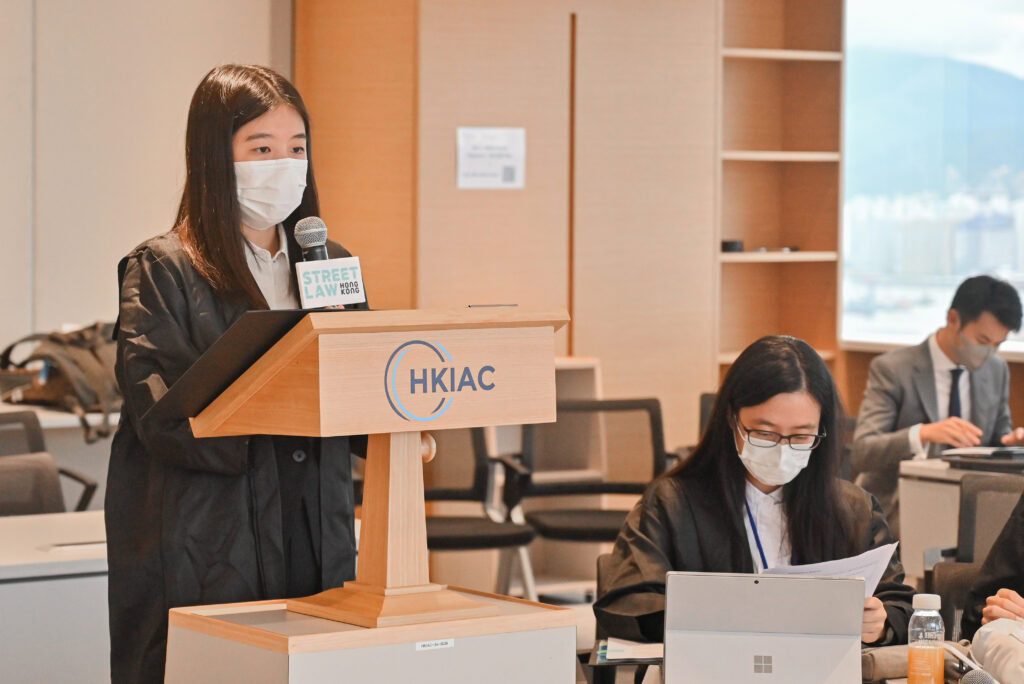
[{"x": 330, "y": 282}]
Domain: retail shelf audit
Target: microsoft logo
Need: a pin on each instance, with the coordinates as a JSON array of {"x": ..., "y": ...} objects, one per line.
[{"x": 762, "y": 664}]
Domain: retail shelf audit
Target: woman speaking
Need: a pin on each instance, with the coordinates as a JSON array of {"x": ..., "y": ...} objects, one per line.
[{"x": 193, "y": 521}]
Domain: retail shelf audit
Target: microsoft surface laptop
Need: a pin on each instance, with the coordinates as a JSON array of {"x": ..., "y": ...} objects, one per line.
[{"x": 762, "y": 628}]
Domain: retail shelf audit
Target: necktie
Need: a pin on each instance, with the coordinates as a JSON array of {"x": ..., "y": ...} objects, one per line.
[{"x": 954, "y": 394}]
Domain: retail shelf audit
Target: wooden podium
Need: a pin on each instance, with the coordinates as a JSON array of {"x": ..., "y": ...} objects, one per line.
[{"x": 392, "y": 375}]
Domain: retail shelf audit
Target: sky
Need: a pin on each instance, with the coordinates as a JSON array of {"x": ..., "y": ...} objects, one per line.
[{"x": 988, "y": 32}]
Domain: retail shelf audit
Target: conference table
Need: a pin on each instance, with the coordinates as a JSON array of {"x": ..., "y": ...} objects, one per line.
[{"x": 53, "y": 598}]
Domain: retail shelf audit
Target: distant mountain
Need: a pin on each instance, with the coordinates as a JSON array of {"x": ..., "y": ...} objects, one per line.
[{"x": 909, "y": 118}]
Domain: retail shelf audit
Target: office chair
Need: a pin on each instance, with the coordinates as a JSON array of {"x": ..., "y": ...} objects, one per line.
[
  {"x": 29, "y": 477},
  {"x": 577, "y": 421},
  {"x": 986, "y": 502}
]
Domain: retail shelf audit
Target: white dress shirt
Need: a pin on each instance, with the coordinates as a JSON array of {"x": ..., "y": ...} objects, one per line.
[
  {"x": 273, "y": 272},
  {"x": 943, "y": 367},
  {"x": 770, "y": 518}
]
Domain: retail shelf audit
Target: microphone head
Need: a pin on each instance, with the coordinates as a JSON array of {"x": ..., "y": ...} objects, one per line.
[
  {"x": 977, "y": 677},
  {"x": 311, "y": 232}
]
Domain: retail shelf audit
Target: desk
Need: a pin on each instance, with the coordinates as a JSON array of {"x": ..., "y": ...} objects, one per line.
[
  {"x": 262, "y": 643},
  {"x": 65, "y": 440},
  {"x": 53, "y": 598},
  {"x": 929, "y": 510}
]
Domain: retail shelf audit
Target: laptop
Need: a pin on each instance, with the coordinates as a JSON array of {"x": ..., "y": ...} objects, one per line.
[{"x": 762, "y": 629}]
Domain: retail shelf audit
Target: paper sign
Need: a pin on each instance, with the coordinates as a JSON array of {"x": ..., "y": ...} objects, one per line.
[
  {"x": 330, "y": 282},
  {"x": 491, "y": 158},
  {"x": 623, "y": 649},
  {"x": 869, "y": 565},
  {"x": 435, "y": 644}
]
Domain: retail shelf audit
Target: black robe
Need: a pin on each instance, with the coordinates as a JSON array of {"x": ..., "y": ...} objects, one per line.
[
  {"x": 1002, "y": 569},
  {"x": 679, "y": 524},
  {"x": 195, "y": 521}
]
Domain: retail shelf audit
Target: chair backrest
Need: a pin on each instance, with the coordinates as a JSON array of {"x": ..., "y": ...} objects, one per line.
[
  {"x": 604, "y": 569},
  {"x": 986, "y": 502},
  {"x": 20, "y": 433},
  {"x": 461, "y": 470},
  {"x": 579, "y": 425},
  {"x": 707, "y": 403},
  {"x": 30, "y": 484}
]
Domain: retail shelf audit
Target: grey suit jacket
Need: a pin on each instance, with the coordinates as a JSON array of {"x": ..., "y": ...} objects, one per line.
[{"x": 900, "y": 394}]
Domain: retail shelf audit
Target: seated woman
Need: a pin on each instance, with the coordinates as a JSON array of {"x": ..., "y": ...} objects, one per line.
[{"x": 760, "y": 490}]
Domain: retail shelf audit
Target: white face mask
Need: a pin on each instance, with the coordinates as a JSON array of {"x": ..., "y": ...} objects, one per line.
[
  {"x": 269, "y": 190},
  {"x": 775, "y": 465}
]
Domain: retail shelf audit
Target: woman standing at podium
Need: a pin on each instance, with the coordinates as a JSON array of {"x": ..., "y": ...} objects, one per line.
[
  {"x": 194, "y": 521},
  {"x": 760, "y": 490}
]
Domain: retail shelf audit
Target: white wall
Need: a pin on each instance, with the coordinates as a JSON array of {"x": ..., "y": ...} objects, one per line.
[{"x": 101, "y": 93}]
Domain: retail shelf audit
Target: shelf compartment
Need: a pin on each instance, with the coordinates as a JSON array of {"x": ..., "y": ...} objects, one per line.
[
  {"x": 779, "y": 105},
  {"x": 784, "y": 55},
  {"x": 781, "y": 204},
  {"x": 759, "y": 299},
  {"x": 776, "y": 257},
  {"x": 783, "y": 24}
]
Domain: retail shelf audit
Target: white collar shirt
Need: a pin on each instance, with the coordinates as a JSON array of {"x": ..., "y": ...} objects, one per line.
[
  {"x": 769, "y": 517},
  {"x": 942, "y": 367},
  {"x": 273, "y": 272}
]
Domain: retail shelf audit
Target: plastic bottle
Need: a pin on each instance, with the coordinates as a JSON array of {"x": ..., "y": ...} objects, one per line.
[{"x": 927, "y": 654}]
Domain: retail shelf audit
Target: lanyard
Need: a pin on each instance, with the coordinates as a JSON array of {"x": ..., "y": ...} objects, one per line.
[{"x": 757, "y": 537}]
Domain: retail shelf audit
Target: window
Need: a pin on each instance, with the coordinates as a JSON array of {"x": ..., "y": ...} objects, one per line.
[{"x": 933, "y": 176}]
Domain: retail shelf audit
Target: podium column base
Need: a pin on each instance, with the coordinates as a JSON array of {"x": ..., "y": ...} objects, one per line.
[{"x": 368, "y": 606}]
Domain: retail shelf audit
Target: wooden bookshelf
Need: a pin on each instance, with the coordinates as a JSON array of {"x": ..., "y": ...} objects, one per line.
[{"x": 778, "y": 181}]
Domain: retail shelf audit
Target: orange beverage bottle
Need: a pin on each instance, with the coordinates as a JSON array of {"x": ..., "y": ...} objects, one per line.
[{"x": 926, "y": 662}]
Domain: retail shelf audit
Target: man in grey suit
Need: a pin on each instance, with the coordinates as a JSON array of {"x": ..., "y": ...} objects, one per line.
[{"x": 950, "y": 390}]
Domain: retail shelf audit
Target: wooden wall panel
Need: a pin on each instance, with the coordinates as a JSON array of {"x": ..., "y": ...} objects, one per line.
[
  {"x": 356, "y": 66},
  {"x": 16, "y": 173},
  {"x": 645, "y": 168},
  {"x": 494, "y": 63}
]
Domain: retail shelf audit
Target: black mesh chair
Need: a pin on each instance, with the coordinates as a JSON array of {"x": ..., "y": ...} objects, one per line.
[
  {"x": 464, "y": 456},
  {"x": 29, "y": 478},
  {"x": 986, "y": 503},
  {"x": 582, "y": 524}
]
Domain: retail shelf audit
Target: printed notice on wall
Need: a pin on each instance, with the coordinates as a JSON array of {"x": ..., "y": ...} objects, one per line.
[{"x": 491, "y": 158}]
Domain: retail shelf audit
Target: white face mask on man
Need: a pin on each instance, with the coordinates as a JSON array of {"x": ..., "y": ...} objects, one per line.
[
  {"x": 972, "y": 355},
  {"x": 269, "y": 190},
  {"x": 773, "y": 465}
]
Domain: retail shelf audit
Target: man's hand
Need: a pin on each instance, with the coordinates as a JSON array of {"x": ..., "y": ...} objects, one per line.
[
  {"x": 873, "y": 627},
  {"x": 1005, "y": 604},
  {"x": 1015, "y": 438},
  {"x": 956, "y": 432}
]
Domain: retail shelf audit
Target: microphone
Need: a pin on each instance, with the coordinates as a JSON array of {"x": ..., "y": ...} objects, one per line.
[
  {"x": 325, "y": 282},
  {"x": 311, "y": 234},
  {"x": 978, "y": 677}
]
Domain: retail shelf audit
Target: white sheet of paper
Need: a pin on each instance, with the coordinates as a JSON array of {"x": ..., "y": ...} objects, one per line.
[
  {"x": 979, "y": 451},
  {"x": 624, "y": 649},
  {"x": 869, "y": 565},
  {"x": 491, "y": 158}
]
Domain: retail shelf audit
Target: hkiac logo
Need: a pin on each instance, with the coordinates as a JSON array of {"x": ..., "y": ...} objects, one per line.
[{"x": 421, "y": 380}]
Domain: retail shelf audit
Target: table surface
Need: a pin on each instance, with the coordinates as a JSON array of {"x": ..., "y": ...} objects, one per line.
[
  {"x": 269, "y": 625},
  {"x": 52, "y": 419},
  {"x": 937, "y": 469},
  {"x": 33, "y": 546}
]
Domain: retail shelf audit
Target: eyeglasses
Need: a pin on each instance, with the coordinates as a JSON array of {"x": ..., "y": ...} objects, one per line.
[{"x": 766, "y": 439}]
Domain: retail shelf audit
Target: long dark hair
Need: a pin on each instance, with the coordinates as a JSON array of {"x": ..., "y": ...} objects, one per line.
[
  {"x": 817, "y": 520},
  {"x": 209, "y": 220}
]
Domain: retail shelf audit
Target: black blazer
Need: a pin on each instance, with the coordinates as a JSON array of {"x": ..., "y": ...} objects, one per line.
[
  {"x": 679, "y": 524},
  {"x": 194, "y": 521}
]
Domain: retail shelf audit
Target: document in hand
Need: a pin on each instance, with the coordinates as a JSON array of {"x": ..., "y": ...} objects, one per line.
[{"x": 869, "y": 565}]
